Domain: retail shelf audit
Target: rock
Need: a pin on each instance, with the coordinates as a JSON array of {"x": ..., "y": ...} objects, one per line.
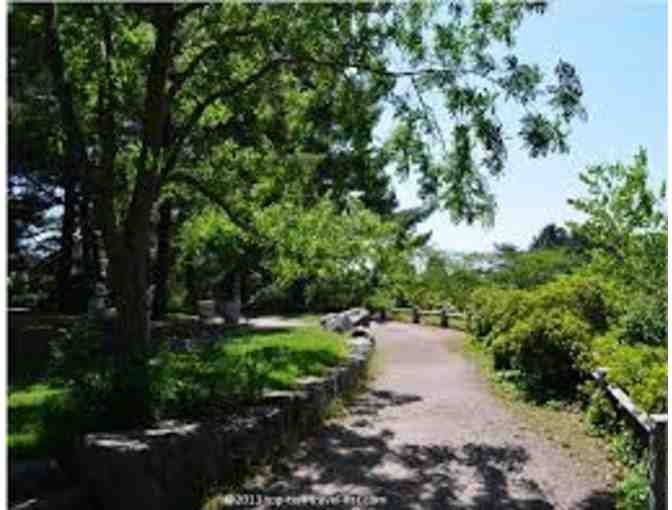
[
  {"x": 340, "y": 323},
  {"x": 69, "y": 499},
  {"x": 345, "y": 321},
  {"x": 359, "y": 316},
  {"x": 360, "y": 331},
  {"x": 181, "y": 345},
  {"x": 30, "y": 480},
  {"x": 207, "y": 308},
  {"x": 214, "y": 321},
  {"x": 326, "y": 318},
  {"x": 98, "y": 302}
]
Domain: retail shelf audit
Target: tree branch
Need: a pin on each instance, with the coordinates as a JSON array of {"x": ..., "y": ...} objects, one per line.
[
  {"x": 182, "y": 13},
  {"x": 104, "y": 175},
  {"x": 181, "y": 78},
  {"x": 198, "y": 111},
  {"x": 71, "y": 122},
  {"x": 202, "y": 188},
  {"x": 156, "y": 109}
]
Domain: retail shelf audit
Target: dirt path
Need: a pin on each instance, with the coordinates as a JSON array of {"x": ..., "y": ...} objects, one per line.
[{"x": 429, "y": 435}]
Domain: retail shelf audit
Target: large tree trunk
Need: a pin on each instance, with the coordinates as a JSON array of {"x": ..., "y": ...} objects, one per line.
[
  {"x": 74, "y": 150},
  {"x": 131, "y": 261},
  {"x": 164, "y": 259},
  {"x": 192, "y": 291},
  {"x": 63, "y": 280},
  {"x": 131, "y": 382},
  {"x": 126, "y": 242},
  {"x": 90, "y": 254}
]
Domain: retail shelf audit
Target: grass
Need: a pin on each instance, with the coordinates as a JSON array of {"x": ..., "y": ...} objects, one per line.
[
  {"x": 310, "y": 319},
  {"x": 25, "y": 420},
  {"x": 338, "y": 408},
  {"x": 281, "y": 356},
  {"x": 276, "y": 358}
]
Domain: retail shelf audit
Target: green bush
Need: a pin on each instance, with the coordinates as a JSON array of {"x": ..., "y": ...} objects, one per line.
[
  {"x": 530, "y": 269},
  {"x": 601, "y": 414},
  {"x": 81, "y": 363},
  {"x": 640, "y": 370},
  {"x": 544, "y": 334},
  {"x": 645, "y": 320},
  {"x": 65, "y": 420},
  {"x": 492, "y": 311},
  {"x": 545, "y": 348}
]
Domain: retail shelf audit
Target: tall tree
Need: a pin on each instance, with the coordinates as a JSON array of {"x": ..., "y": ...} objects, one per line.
[{"x": 136, "y": 83}]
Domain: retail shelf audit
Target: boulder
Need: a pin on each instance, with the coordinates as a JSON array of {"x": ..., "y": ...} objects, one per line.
[
  {"x": 207, "y": 308},
  {"x": 359, "y": 316},
  {"x": 345, "y": 321},
  {"x": 339, "y": 323},
  {"x": 326, "y": 318}
]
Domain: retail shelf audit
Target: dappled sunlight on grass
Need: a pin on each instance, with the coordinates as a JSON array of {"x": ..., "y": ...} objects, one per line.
[
  {"x": 236, "y": 370},
  {"x": 213, "y": 380},
  {"x": 283, "y": 356},
  {"x": 25, "y": 419}
]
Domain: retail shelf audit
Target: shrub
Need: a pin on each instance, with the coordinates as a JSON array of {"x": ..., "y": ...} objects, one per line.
[
  {"x": 645, "y": 320},
  {"x": 640, "y": 370},
  {"x": 545, "y": 348},
  {"x": 543, "y": 333},
  {"x": 81, "y": 363},
  {"x": 492, "y": 311},
  {"x": 525, "y": 270}
]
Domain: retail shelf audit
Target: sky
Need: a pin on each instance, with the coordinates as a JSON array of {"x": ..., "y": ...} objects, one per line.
[{"x": 619, "y": 49}]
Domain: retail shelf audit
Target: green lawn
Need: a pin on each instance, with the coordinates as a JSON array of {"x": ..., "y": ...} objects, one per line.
[
  {"x": 282, "y": 356},
  {"x": 26, "y": 405},
  {"x": 242, "y": 358},
  {"x": 311, "y": 319}
]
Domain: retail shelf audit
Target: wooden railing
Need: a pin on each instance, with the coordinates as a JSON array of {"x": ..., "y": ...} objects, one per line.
[
  {"x": 654, "y": 428},
  {"x": 445, "y": 313}
]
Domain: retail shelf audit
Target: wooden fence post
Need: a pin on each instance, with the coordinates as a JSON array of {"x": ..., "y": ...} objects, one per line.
[
  {"x": 658, "y": 462},
  {"x": 655, "y": 426},
  {"x": 416, "y": 315},
  {"x": 444, "y": 318}
]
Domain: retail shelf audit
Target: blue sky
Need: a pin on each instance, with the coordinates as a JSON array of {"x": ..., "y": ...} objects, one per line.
[{"x": 619, "y": 49}]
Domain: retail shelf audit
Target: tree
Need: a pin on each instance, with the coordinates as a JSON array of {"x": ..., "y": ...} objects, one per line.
[
  {"x": 624, "y": 215},
  {"x": 194, "y": 63},
  {"x": 626, "y": 228},
  {"x": 551, "y": 236}
]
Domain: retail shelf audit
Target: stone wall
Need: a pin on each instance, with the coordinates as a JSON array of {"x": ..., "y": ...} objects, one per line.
[{"x": 172, "y": 465}]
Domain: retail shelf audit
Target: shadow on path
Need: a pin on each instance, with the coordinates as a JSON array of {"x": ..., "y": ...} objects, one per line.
[{"x": 353, "y": 456}]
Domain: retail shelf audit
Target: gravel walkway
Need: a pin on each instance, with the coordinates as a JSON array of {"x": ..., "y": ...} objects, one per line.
[{"x": 428, "y": 434}]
